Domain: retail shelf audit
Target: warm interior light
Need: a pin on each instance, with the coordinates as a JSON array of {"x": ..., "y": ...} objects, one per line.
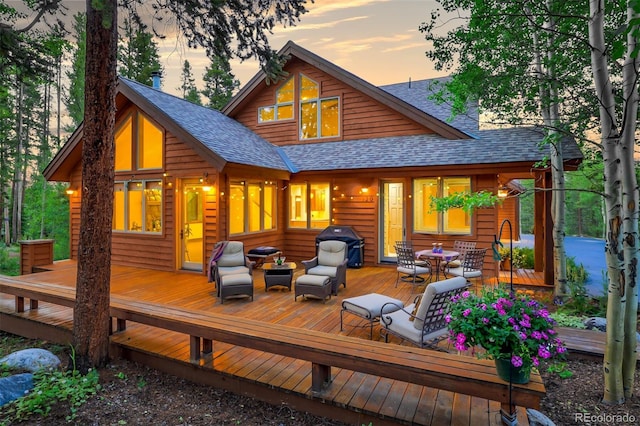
[{"x": 503, "y": 192}]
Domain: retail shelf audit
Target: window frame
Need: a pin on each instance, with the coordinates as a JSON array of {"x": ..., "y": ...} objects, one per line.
[
  {"x": 318, "y": 100},
  {"x": 441, "y": 217},
  {"x": 308, "y": 219},
  {"x": 277, "y": 105},
  {"x": 144, "y": 208},
  {"x": 246, "y": 210}
]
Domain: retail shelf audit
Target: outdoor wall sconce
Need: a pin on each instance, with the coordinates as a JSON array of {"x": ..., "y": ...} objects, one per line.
[
  {"x": 204, "y": 180},
  {"x": 364, "y": 190},
  {"x": 503, "y": 192},
  {"x": 70, "y": 191}
]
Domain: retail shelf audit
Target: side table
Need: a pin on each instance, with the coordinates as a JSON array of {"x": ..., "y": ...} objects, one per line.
[{"x": 278, "y": 275}]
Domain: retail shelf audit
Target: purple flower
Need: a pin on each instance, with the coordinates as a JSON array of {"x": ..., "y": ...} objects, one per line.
[
  {"x": 466, "y": 312},
  {"x": 485, "y": 320},
  {"x": 466, "y": 294},
  {"x": 523, "y": 336},
  {"x": 461, "y": 338},
  {"x": 516, "y": 361},
  {"x": 536, "y": 335},
  {"x": 543, "y": 352},
  {"x": 447, "y": 318},
  {"x": 535, "y": 361}
]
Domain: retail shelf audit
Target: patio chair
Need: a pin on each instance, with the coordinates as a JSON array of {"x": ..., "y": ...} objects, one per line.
[
  {"x": 331, "y": 262},
  {"x": 471, "y": 267},
  {"x": 423, "y": 322},
  {"x": 232, "y": 270},
  {"x": 409, "y": 269},
  {"x": 461, "y": 247}
]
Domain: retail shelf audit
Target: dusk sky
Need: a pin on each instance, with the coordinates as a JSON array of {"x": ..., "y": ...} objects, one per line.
[{"x": 377, "y": 40}]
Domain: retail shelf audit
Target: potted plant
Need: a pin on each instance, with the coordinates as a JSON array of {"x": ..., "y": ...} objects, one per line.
[{"x": 514, "y": 330}]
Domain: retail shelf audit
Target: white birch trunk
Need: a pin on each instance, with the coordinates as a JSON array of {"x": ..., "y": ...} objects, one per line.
[{"x": 621, "y": 207}]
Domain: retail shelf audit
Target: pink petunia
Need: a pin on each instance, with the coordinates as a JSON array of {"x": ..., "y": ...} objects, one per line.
[{"x": 516, "y": 361}]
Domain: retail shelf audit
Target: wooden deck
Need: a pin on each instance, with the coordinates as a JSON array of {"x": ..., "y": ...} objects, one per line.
[{"x": 354, "y": 398}]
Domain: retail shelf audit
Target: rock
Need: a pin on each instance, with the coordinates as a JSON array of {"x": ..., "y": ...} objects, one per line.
[
  {"x": 597, "y": 323},
  {"x": 14, "y": 387},
  {"x": 536, "y": 418},
  {"x": 31, "y": 360}
]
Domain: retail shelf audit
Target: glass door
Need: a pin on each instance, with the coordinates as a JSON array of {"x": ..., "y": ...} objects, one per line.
[
  {"x": 192, "y": 231},
  {"x": 391, "y": 219}
]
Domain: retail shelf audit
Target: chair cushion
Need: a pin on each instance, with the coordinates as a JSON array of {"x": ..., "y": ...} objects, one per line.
[
  {"x": 453, "y": 264},
  {"x": 317, "y": 280},
  {"x": 233, "y": 254},
  {"x": 469, "y": 273},
  {"x": 398, "y": 322},
  {"x": 327, "y": 271},
  {"x": 370, "y": 305},
  {"x": 236, "y": 279},
  {"x": 429, "y": 294},
  {"x": 332, "y": 253},
  {"x": 230, "y": 270},
  {"x": 420, "y": 270}
]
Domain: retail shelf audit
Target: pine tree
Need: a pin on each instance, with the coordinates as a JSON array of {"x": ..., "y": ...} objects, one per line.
[
  {"x": 75, "y": 98},
  {"x": 189, "y": 90},
  {"x": 219, "y": 83},
  {"x": 138, "y": 54}
]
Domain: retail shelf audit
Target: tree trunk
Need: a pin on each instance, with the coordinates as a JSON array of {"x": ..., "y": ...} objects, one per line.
[
  {"x": 91, "y": 313},
  {"x": 621, "y": 208}
]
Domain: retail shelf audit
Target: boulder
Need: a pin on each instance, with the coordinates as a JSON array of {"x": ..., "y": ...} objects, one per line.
[
  {"x": 31, "y": 360},
  {"x": 14, "y": 387},
  {"x": 536, "y": 418},
  {"x": 596, "y": 323}
]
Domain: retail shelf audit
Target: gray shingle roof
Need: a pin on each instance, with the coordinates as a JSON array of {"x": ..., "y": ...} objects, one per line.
[
  {"x": 224, "y": 136},
  {"x": 492, "y": 146},
  {"x": 235, "y": 143},
  {"x": 417, "y": 93}
]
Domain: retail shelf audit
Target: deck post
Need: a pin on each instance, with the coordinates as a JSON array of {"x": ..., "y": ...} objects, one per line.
[
  {"x": 320, "y": 376},
  {"x": 207, "y": 346},
  {"x": 19, "y": 304},
  {"x": 194, "y": 348}
]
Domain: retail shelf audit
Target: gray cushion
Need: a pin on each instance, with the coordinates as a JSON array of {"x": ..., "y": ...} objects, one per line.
[
  {"x": 236, "y": 279},
  {"x": 370, "y": 305},
  {"x": 327, "y": 271},
  {"x": 332, "y": 253},
  {"x": 318, "y": 280},
  {"x": 233, "y": 254}
]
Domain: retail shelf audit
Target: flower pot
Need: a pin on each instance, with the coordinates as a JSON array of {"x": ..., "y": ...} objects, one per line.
[
  {"x": 505, "y": 264},
  {"x": 507, "y": 372}
]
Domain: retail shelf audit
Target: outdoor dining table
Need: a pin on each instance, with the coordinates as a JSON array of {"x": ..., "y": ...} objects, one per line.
[{"x": 437, "y": 258}]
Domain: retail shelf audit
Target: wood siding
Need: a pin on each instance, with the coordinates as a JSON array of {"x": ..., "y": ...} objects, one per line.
[
  {"x": 361, "y": 116},
  {"x": 510, "y": 209}
]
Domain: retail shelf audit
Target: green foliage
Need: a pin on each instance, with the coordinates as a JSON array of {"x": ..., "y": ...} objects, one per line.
[
  {"x": 560, "y": 369},
  {"x": 567, "y": 320},
  {"x": 46, "y": 215},
  {"x": 523, "y": 257},
  {"x": 465, "y": 201},
  {"x": 52, "y": 387},
  {"x": 580, "y": 303},
  {"x": 10, "y": 260},
  {"x": 219, "y": 83},
  {"x": 576, "y": 274},
  {"x": 138, "y": 55}
]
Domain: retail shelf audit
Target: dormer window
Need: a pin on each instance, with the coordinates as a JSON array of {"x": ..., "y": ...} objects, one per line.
[
  {"x": 283, "y": 108},
  {"x": 319, "y": 117}
]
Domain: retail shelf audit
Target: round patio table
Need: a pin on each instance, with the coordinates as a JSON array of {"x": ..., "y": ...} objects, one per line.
[{"x": 437, "y": 258}]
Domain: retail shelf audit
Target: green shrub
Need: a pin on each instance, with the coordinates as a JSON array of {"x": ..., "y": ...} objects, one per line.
[
  {"x": 522, "y": 256},
  {"x": 10, "y": 261}
]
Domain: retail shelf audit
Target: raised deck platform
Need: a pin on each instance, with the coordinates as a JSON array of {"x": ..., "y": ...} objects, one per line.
[{"x": 355, "y": 398}]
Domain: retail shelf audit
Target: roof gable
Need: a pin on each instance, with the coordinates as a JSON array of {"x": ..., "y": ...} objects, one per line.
[{"x": 291, "y": 49}]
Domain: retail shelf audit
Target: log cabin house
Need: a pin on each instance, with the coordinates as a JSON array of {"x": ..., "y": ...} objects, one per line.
[{"x": 283, "y": 161}]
